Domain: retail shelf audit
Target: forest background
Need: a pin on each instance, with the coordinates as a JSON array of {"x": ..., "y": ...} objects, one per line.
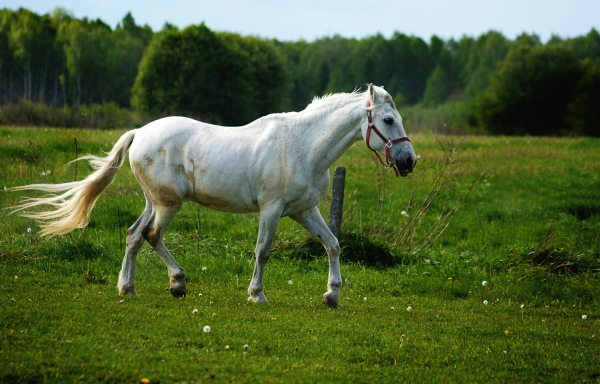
[{"x": 57, "y": 70}]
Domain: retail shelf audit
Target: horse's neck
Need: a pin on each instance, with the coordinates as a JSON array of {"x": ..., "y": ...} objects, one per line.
[{"x": 338, "y": 128}]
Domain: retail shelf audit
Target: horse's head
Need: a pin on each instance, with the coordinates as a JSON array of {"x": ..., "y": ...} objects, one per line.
[{"x": 385, "y": 133}]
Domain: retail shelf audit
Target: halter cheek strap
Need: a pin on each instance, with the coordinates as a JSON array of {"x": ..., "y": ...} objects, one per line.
[{"x": 388, "y": 143}]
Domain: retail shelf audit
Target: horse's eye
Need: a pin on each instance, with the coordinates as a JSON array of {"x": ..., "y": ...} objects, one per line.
[{"x": 388, "y": 120}]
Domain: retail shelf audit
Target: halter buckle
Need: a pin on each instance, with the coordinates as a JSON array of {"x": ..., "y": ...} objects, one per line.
[
  {"x": 389, "y": 144},
  {"x": 386, "y": 166}
]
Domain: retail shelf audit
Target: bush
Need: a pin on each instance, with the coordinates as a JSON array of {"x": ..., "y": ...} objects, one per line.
[
  {"x": 530, "y": 92},
  {"x": 108, "y": 115}
]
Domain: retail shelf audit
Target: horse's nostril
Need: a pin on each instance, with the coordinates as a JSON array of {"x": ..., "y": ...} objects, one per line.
[{"x": 409, "y": 162}]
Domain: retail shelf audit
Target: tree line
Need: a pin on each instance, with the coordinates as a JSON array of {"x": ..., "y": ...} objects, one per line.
[{"x": 63, "y": 62}]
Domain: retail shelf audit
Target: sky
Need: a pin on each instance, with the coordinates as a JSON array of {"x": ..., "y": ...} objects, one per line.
[{"x": 313, "y": 19}]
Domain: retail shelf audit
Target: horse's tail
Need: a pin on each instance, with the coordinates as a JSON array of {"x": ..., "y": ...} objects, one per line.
[{"x": 74, "y": 206}]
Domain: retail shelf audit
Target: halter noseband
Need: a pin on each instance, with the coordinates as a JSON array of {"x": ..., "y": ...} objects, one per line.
[{"x": 388, "y": 143}]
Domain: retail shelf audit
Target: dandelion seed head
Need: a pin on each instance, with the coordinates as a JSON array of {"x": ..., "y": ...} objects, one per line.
[
  {"x": 195, "y": 311},
  {"x": 584, "y": 317},
  {"x": 28, "y": 230},
  {"x": 290, "y": 282},
  {"x": 206, "y": 328},
  {"x": 522, "y": 306},
  {"x": 403, "y": 213},
  {"x": 485, "y": 302},
  {"x": 204, "y": 268},
  {"x": 365, "y": 298},
  {"x": 409, "y": 309},
  {"x": 200, "y": 294},
  {"x": 484, "y": 283}
]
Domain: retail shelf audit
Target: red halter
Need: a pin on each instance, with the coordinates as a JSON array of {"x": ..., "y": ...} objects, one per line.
[{"x": 388, "y": 143}]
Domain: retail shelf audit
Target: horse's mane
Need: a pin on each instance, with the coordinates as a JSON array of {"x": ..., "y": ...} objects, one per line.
[{"x": 332, "y": 97}]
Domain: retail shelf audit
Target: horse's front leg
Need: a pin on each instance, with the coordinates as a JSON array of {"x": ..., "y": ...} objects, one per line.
[
  {"x": 269, "y": 218},
  {"x": 313, "y": 222}
]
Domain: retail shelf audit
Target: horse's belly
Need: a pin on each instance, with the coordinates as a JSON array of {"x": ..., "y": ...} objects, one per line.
[{"x": 233, "y": 196}]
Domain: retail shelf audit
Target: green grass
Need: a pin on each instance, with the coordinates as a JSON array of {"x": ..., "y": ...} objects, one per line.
[{"x": 530, "y": 228}]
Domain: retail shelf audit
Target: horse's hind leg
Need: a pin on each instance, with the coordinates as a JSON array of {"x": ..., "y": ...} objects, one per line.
[
  {"x": 153, "y": 232},
  {"x": 126, "y": 284},
  {"x": 313, "y": 222}
]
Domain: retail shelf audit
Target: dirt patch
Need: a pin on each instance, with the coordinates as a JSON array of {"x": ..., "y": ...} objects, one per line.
[
  {"x": 149, "y": 161},
  {"x": 167, "y": 197},
  {"x": 160, "y": 195},
  {"x": 210, "y": 201},
  {"x": 152, "y": 235}
]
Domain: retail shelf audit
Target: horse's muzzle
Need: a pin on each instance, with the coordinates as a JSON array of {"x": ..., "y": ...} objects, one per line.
[{"x": 405, "y": 165}]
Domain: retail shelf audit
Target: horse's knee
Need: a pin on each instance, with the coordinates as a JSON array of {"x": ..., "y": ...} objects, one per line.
[
  {"x": 333, "y": 248},
  {"x": 263, "y": 254}
]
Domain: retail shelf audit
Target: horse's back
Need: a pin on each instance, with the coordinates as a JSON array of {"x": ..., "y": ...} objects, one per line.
[{"x": 177, "y": 159}]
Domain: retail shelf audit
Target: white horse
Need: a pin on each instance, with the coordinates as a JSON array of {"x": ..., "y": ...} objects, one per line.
[{"x": 277, "y": 165}]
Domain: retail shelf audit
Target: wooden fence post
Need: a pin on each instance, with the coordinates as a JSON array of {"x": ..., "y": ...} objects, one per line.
[{"x": 337, "y": 201}]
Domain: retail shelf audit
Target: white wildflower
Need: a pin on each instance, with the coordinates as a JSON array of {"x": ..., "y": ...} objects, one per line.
[
  {"x": 200, "y": 294},
  {"x": 227, "y": 347},
  {"x": 484, "y": 283},
  {"x": 522, "y": 306},
  {"x": 365, "y": 298},
  {"x": 206, "y": 328},
  {"x": 290, "y": 282},
  {"x": 409, "y": 309},
  {"x": 195, "y": 311},
  {"x": 16, "y": 277},
  {"x": 403, "y": 213},
  {"x": 485, "y": 302},
  {"x": 204, "y": 268},
  {"x": 245, "y": 346},
  {"x": 393, "y": 308},
  {"x": 584, "y": 317},
  {"x": 28, "y": 230}
]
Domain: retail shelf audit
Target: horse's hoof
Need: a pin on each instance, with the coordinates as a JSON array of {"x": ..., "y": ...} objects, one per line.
[
  {"x": 128, "y": 292},
  {"x": 177, "y": 292},
  {"x": 258, "y": 298},
  {"x": 330, "y": 300}
]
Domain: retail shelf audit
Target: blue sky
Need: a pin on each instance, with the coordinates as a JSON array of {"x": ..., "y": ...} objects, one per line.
[{"x": 311, "y": 19}]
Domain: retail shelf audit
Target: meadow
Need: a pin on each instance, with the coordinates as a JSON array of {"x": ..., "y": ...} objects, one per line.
[{"x": 480, "y": 266}]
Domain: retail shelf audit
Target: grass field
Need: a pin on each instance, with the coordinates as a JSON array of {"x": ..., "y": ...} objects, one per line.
[{"x": 530, "y": 228}]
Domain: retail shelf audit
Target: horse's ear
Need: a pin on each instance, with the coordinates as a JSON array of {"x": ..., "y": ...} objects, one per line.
[{"x": 373, "y": 96}]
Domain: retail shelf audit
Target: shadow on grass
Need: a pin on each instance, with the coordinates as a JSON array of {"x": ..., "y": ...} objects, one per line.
[{"x": 355, "y": 248}]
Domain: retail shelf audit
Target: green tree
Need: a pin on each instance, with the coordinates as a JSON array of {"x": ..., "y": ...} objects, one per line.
[
  {"x": 437, "y": 88},
  {"x": 269, "y": 77},
  {"x": 530, "y": 92},
  {"x": 196, "y": 73},
  {"x": 484, "y": 55},
  {"x": 584, "y": 111}
]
